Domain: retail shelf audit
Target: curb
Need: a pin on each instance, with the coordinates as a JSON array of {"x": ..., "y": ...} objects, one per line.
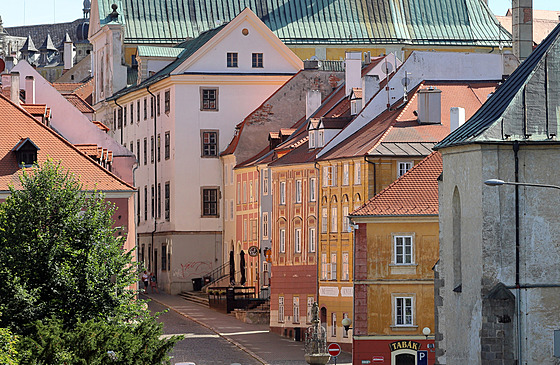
[{"x": 238, "y": 345}]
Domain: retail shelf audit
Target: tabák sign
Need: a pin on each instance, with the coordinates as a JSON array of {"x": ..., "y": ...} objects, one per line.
[{"x": 405, "y": 345}]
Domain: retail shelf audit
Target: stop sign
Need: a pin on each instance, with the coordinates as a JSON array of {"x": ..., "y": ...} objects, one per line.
[{"x": 334, "y": 349}]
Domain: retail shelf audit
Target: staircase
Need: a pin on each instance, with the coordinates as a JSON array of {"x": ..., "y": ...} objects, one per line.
[{"x": 198, "y": 297}]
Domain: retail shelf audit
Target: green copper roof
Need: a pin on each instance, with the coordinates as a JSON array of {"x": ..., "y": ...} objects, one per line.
[
  {"x": 153, "y": 51},
  {"x": 417, "y": 22}
]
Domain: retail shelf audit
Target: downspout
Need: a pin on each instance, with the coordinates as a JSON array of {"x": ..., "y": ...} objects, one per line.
[
  {"x": 517, "y": 253},
  {"x": 319, "y": 214},
  {"x": 137, "y": 210},
  {"x": 122, "y": 124},
  {"x": 155, "y": 173}
]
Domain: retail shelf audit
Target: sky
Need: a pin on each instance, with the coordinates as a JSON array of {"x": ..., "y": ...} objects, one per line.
[{"x": 30, "y": 12}]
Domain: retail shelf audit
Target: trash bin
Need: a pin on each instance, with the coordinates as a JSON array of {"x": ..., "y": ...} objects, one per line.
[
  {"x": 207, "y": 280},
  {"x": 197, "y": 284}
]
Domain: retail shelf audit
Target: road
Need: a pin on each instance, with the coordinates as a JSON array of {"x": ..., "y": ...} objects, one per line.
[{"x": 201, "y": 345}]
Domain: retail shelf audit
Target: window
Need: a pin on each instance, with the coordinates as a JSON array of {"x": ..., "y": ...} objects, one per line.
[
  {"x": 320, "y": 139},
  {"x": 345, "y": 266},
  {"x": 312, "y": 191},
  {"x": 295, "y": 317},
  {"x": 209, "y": 143},
  {"x": 159, "y": 200},
  {"x": 152, "y": 107},
  {"x": 297, "y": 240},
  {"x": 244, "y": 191},
  {"x": 357, "y": 173},
  {"x": 345, "y": 177},
  {"x": 254, "y": 235},
  {"x": 210, "y": 202},
  {"x": 403, "y": 168},
  {"x": 238, "y": 193},
  {"x": 334, "y": 219},
  {"x": 231, "y": 174},
  {"x": 345, "y": 220},
  {"x": 312, "y": 240},
  {"x": 329, "y": 175},
  {"x": 167, "y": 201},
  {"x": 265, "y": 225},
  {"x": 324, "y": 221},
  {"x": 145, "y": 109},
  {"x": 167, "y": 102},
  {"x": 403, "y": 311},
  {"x": 209, "y": 99},
  {"x": 403, "y": 250},
  {"x": 132, "y": 114},
  {"x": 145, "y": 203},
  {"x": 138, "y": 207},
  {"x": 333, "y": 324},
  {"x": 153, "y": 201},
  {"x": 115, "y": 119},
  {"x": 280, "y": 309},
  {"x": 265, "y": 181},
  {"x": 163, "y": 257},
  {"x": 231, "y": 59},
  {"x": 231, "y": 209},
  {"x": 158, "y": 104},
  {"x": 298, "y": 191},
  {"x": 333, "y": 267},
  {"x": 124, "y": 116},
  {"x": 344, "y": 330},
  {"x": 283, "y": 192},
  {"x": 152, "y": 149},
  {"x": 145, "y": 151},
  {"x": 167, "y": 146},
  {"x": 120, "y": 113},
  {"x": 324, "y": 267},
  {"x": 250, "y": 191},
  {"x": 256, "y": 195},
  {"x": 245, "y": 230},
  {"x": 257, "y": 60},
  {"x": 282, "y": 240},
  {"x": 159, "y": 147},
  {"x": 311, "y": 139},
  {"x": 310, "y": 301},
  {"x": 138, "y": 150}
]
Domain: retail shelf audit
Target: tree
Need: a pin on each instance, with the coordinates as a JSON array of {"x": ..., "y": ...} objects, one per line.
[{"x": 58, "y": 253}]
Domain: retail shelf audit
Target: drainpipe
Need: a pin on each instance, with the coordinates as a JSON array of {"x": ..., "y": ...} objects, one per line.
[
  {"x": 155, "y": 172},
  {"x": 517, "y": 254},
  {"x": 319, "y": 214},
  {"x": 122, "y": 124},
  {"x": 137, "y": 210}
]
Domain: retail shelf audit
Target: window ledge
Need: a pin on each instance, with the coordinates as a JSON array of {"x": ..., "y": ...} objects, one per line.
[
  {"x": 404, "y": 328},
  {"x": 398, "y": 269}
]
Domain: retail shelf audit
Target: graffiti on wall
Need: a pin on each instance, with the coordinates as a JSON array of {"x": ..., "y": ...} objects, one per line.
[{"x": 193, "y": 269}]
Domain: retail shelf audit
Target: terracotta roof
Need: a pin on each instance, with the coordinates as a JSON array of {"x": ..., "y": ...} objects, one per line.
[
  {"x": 17, "y": 124},
  {"x": 82, "y": 89},
  {"x": 357, "y": 91},
  {"x": 79, "y": 103},
  {"x": 66, "y": 87},
  {"x": 401, "y": 127},
  {"x": 414, "y": 193},
  {"x": 35, "y": 109},
  {"x": 101, "y": 126}
]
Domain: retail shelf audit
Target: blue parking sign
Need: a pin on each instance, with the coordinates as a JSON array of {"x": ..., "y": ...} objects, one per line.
[{"x": 422, "y": 358}]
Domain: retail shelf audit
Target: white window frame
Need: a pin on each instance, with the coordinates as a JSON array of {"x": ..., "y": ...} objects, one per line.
[
  {"x": 403, "y": 310},
  {"x": 297, "y": 240},
  {"x": 312, "y": 240},
  {"x": 345, "y": 174},
  {"x": 333, "y": 272},
  {"x": 403, "y": 167},
  {"x": 265, "y": 225},
  {"x": 400, "y": 250},
  {"x": 310, "y": 301},
  {"x": 244, "y": 191},
  {"x": 334, "y": 219},
  {"x": 312, "y": 189},
  {"x": 345, "y": 219},
  {"x": 324, "y": 267},
  {"x": 282, "y": 192},
  {"x": 281, "y": 309},
  {"x": 357, "y": 173},
  {"x": 250, "y": 191},
  {"x": 345, "y": 266},
  {"x": 231, "y": 211},
  {"x": 298, "y": 191},
  {"x": 282, "y": 241},
  {"x": 329, "y": 175},
  {"x": 295, "y": 313},
  {"x": 333, "y": 324},
  {"x": 320, "y": 138},
  {"x": 324, "y": 221},
  {"x": 245, "y": 230},
  {"x": 231, "y": 174},
  {"x": 256, "y": 191},
  {"x": 265, "y": 181},
  {"x": 311, "y": 139}
]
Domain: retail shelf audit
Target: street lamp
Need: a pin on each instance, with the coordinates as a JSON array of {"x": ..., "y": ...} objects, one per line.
[{"x": 498, "y": 182}]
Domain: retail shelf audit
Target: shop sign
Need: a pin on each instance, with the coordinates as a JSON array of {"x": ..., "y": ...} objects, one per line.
[
  {"x": 405, "y": 345},
  {"x": 378, "y": 359}
]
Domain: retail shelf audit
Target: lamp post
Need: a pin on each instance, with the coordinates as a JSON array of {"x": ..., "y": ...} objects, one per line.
[{"x": 517, "y": 184}]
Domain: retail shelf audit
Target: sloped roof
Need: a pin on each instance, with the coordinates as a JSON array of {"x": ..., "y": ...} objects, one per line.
[
  {"x": 38, "y": 32},
  {"x": 418, "y": 22},
  {"x": 414, "y": 193},
  {"x": 399, "y": 131},
  {"x": 29, "y": 46},
  {"x": 490, "y": 122},
  {"x": 153, "y": 51},
  {"x": 16, "y": 124},
  {"x": 79, "y": 103},
  {"x": 48, "y": 44}
]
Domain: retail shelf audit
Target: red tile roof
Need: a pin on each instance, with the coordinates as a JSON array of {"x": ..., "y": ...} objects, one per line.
[
  {"x": 78, "y": 102},
  {"x": 17, "y": 124},
  {"x": 101, "y": 126},
  {"x": 414, "y": 193}
]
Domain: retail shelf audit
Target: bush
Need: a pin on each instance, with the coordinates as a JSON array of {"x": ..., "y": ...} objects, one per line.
[{"x": 8, "y": 343}]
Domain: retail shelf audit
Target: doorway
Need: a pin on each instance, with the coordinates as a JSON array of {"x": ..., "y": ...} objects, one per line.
[{"x": 405, "y": 359}]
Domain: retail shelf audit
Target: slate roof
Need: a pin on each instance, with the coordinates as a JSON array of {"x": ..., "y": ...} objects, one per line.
[
  {"x": 509, "y": 94},
  {"x": 39, "y": 32},
  {"x": 415, "y": 193},
  {"x": 418, "y": 22},
  {"x": 16, "y": 124},
  {"x": 398, "y": 133}
]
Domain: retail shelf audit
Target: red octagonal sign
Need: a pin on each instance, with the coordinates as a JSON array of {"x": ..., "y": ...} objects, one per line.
[{"x": 334, "y": 349}]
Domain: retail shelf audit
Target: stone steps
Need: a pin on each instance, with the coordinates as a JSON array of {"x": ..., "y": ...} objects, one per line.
[{"x": 196, "y": 297}]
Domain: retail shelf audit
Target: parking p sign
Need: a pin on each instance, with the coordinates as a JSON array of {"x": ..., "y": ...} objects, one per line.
[{"x": 422, "y": 358}]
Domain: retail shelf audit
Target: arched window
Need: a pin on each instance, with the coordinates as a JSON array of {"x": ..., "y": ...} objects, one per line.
[{"x": 457, "y": 269}]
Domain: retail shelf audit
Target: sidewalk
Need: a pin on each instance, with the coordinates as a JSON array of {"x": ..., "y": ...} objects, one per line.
[{"x": 255, "y": 339}]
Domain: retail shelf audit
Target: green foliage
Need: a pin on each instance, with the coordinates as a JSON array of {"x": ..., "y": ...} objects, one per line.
[
  {"x": 8, "y": 343},
  {"x": 93, "y": 343},
  {"x": 58, "y": 252}
]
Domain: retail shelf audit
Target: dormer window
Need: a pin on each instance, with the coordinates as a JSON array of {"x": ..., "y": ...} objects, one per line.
[
  {"x": 26, "y": 152},
  {"x": 320, "y": 138},
  {"x": 311, "y": 139}
]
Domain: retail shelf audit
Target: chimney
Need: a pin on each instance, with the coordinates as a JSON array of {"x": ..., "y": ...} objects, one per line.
[
  {"x": 522, "y": 28},
  {"x": 29, "y": 89},
  {"x": 429, "y": 106},
  {"x": 6, "y": 84},
  {"x": 14, "y": 91},
  {"x": 68, "y": 53},
  {"x": 367, "y": 57},
  {"x": 353, "y": 71},
  {"x": 311, "y": 64},
  {"x": 457, "y": 118},
  {"x": 312, "y": 102},
  {"x": 370, "y": 85}
]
